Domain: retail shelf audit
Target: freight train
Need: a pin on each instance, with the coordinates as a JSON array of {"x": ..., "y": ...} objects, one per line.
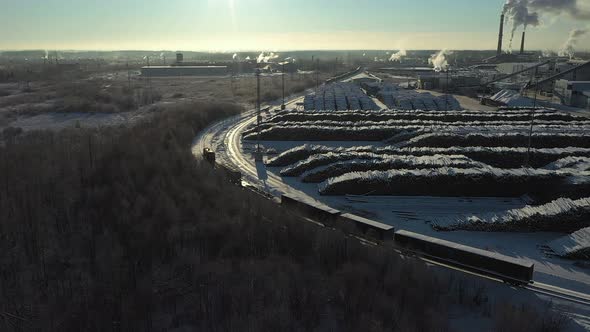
[{"x": 507, "y": 269}]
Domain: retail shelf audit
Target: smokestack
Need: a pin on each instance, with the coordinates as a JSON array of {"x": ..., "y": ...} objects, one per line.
[
  {"x": 522, "y": 43},
  {"x": 501, "y": 35}
]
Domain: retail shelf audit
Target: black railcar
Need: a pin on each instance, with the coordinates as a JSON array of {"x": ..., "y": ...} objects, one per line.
[
  {"x": 209, "y": 155},
  {"x": 506, "y": 268},
  {"x": 315, "y": 210},
  {"x": 364, "y": 226}
]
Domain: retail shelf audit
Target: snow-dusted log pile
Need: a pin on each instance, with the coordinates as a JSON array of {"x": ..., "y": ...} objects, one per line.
[
  {"x": 323, "y": 173},
  {"x": 442, "y": 127},
  {"x": 366, "y": 159},
  {"x": 394, "y": 96},
  {"x": 483, "y": 182},
  {"x": 561, "y": 215},
  {"x": 576, "y": 245},
  {"x": 339, "y": 96},
  {"x": 502, "y": 157},
  {"x": 567, "y": 138},
  {"x": 572, "y": 162},
  {"x": 418, "y": 125},
  {"x": 318, "y": 160},
  {"x": 469, "y": 135},
  {"x": 412, "y": 100},
  {"x": 451, "y": 116},
  {"x": 301, "y": 152},
  {"x": 436, "y": 153}
]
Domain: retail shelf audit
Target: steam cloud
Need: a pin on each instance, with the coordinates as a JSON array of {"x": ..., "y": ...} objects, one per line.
[
  {"x": 527, "y": 12},
  {"x": 398, "y": 56},
  {"x": 568, "y": 48},
  {"x": 235, "y": 56},
  {"x": 439, "y": 60},
  {"x": 263, "y": 57}
]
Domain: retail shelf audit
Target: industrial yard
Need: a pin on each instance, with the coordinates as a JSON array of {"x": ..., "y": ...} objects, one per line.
[
  {"x": 235, "y": 166},
  {"x": 462, "y": 157},
  {"x": 507, "y": 180}
]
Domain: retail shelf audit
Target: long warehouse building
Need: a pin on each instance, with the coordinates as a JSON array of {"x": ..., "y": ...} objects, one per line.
[{"x": 171, "y": 71}]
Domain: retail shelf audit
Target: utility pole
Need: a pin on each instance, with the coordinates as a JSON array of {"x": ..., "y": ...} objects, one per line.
[
  {"x": 317, "y": 76},
  {"x": 128, "y": 75},
  {"x": 528, "y": 152},
  {"x": 283, "y": 77},
  {"x": 447, "y": 89},
  {"x": 259, "y": 115},
  {"x": 149, "y": 81}
]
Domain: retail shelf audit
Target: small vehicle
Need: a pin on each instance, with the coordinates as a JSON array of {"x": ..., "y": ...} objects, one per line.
[{"x": 209, "y": 155}]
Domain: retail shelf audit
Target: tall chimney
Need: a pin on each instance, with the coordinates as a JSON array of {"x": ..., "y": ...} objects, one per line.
[
  {"x": 501, "y": 35},
  {"x": 522, "y": 43}
]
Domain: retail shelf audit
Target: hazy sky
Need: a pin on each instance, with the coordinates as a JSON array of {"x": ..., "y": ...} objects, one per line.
[{"x": 227, "y": 25}]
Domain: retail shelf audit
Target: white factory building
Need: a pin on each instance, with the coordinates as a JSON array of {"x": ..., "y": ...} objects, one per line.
[{"x": 573, "y": 93}]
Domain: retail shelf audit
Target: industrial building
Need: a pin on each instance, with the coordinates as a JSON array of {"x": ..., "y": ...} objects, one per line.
[
  {"x": 573, "y": 93},
  {"x": 434, "y": 80},
  {"x": 171, "y": 71}
]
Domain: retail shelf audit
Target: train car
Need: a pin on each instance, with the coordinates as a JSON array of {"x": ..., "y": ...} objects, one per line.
[
  {"x": 233, "y": 175},
  {"x": 314, "y": 209},
  {"x": 209, "y": 155},
  {"x": 364, "y": 226},
  {"x": 506, "y": 268}
]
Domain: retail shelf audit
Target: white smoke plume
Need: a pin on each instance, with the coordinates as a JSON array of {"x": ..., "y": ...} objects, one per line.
[
  {"x": 46, "y": 55},
  {"x": 569, "y": 47},
  {"x": 548, "y": 53},
  {"x": 439, "y": 60},
  {"x": 248, "y": 58},
  {"x": 398, "y": 56},
  {"x": 263, "y": 57},
  {"x": 528, "y": 12},
  {"x": 235, "y": 56}
]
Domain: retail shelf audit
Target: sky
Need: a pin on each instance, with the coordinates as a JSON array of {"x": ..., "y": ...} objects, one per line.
[{"x": 271, "y": 25}]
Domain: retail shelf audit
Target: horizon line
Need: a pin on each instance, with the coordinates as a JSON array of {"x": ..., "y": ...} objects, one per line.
[{"x": 258, "y": 51}]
